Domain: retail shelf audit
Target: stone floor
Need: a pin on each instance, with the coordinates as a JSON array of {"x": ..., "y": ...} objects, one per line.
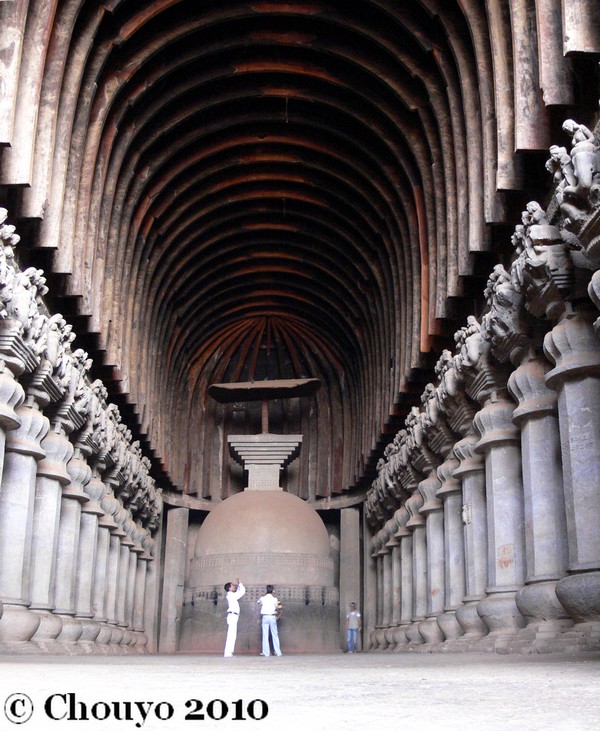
[{"x": 362, "y": 691}]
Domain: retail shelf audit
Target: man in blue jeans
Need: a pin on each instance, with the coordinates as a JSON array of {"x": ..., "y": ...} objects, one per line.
[
  {"x": 353, "y": 625},
  {"x": 269, "y": 611}
]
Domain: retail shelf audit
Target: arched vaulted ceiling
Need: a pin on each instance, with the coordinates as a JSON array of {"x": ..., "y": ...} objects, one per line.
[{"x": 230, "y": 190}]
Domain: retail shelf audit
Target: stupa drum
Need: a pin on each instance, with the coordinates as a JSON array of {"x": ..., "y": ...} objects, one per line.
[{"x": 264, "y": 537}]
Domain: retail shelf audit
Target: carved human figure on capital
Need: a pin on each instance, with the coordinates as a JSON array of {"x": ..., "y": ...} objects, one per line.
[
  {"x": 414, "y": 424},
  {"x": 9, "y": 237},
  {"x": 585, "y": 157},
  {"x": 534, "y": 215},
  {"x": 431, "y": 404},
  {"x": 390, "y": 473},
  {"x": 505, "y": 324},
  {"x": 22, "y": 305},
  {"x": 442, "y": 436},
  {"x": 78, "y": 388},
  {"x": 448, "y": 378},
  {"x": 561, "y": 167},
  {"x": 470, "y": 347},
  {"x": 7, "y": 282},
  {"x": 380, "y": 484},
  {"x": 99, "y": 437},
  {"x": 543, "y": 271}
]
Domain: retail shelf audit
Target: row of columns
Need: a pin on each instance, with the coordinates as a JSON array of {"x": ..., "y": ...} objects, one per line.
[
  {"x": 77, "y": 504},
  {"x": 499, "y": 545},
  {"x": 484, "y": 517}
]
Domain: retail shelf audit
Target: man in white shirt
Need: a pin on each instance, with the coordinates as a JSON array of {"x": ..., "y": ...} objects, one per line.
[
  {"x": 269, "y": 610},
  {"x": 235, "y": 591}
]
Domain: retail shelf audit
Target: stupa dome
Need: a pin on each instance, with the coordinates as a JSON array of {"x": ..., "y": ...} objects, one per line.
[{"x": 263, "y": 536}]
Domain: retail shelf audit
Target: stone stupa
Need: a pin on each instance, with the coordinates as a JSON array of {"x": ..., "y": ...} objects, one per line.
[{"x": 264, "y": 535}]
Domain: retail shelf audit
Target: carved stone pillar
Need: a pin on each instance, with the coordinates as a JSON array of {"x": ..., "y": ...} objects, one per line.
[
  {"x": 91, "y": 511},
  {"x": 17, "y": 492},
  {"x": 504, "y": 497},
  {"x": 416, "y": 524},
  {"x": 470, "y": 471},
  {"x": 106, "y": 525},
  {"x": 126, "y": 543},
  {"x": 454, "y": 559},
  {"x": 392, "y": 584},
  {"x": 134, "y": 550},
  {"x": 391, "y": 588},
  {"x": 573, "y": 346},
  {"x": 378, "y": 639},
  {"x": 396, "y": 582},
  {"x": 67, "y": 556},
  {"x": 545, "y": 520},
  {"x": 404, "y": 536},
  {"x": 130, "y": 589},
  {"x": 432, "y": 508},
  {"x": 11, "y": 396},
  {"x": 349, "y": 569},
  {"x": 386, "y": 589},
  {"x": 370, "y": 579},
  {"x": 139, "y": 594},
  {"x": 52, "y": 476},
  {"x": 386, "y": 619},
  {"x": 112, "y": 577}
]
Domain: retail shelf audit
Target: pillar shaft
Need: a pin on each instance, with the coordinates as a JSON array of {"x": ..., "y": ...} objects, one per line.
[
  {"x": 129, "y": 597},
  {"x": 112, "y": 579},
  {"x": 349, "y": 564},
  {"x": 396, "y": 584},
  {"x": 52, "y": 475},
  {"x": 122, "y": 584},
  {"x": 416, "y": 524},
  {"x": 454, "y": 556},
  {"x": 434, "y": 532},
  {"x": 100, "y": 585},
  {"x": 387, "y": 595},
  {"x": 505, "y": 515},
  {"x": 139, "y": 602},
  {"x": 545, "y": 520},
  {"x": 67, "y": 555},
  {"x": 406, "y": 562},
  {"x": 174, "y": 577},
  {"x": 470, "y": 472},
  {"x": 380, "y": 580},
  {"x": 574, "y": 348},
  {"x": 17, "y": 495}
]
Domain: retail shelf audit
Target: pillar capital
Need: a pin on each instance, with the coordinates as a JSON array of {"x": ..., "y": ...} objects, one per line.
[
  {"x": 401, "y": 517},
  {"x": 58, "y": 450},
  {"x": 11, "y": 396},
  {"x": 446, "y": 473},
  {"x": 469, "y": 460},
  {"x": 572, "y": 345},
  {"x": 80, "y": 474},
  {"x": 528, "y": 386},
  {"x": 27, "y": 438},
  {"x": 495, "y": 425},
  {"x": 413, "y": 506},
  {"x": 428, "y": 489}
]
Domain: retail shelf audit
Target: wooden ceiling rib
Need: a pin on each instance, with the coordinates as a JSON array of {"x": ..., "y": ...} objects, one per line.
[{"x": 241, "y": 189}]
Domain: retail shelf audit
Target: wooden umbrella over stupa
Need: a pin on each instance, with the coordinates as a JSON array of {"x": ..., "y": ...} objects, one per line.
[{"x": 264, "y": 455}]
